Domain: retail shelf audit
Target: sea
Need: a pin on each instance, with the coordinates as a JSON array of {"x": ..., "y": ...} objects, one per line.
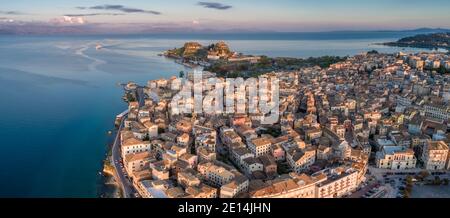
[{"x": 59, "y": 95}]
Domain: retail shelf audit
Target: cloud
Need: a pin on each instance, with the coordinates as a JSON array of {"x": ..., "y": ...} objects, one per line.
[
  {"x": 11, "y": 12},
  {"x": 120, "y": 8},
  {"x": 93, "y": 14},
  {"x": 214, "y": 5}
]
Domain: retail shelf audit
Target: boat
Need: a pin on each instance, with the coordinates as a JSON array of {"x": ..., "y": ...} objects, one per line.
[{"x": 98, "y": 47}]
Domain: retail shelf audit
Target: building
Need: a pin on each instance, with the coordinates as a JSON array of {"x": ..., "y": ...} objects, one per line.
[
  {"x": 436, "y": 111},
  {"x": 269, "y": 165},
  {"x": 137, "y": 162},
  {"x": 201, "y": 191},
  {"x": 175, "y": 192},
  {"x": 229, "y": 136},
  {"x": 278, "y": 153},
  {"x": 237, "y": 186},
  {"x": 300, "y": 160},
  {"x": 152, "y": 129},
  {"x": 183, "y": 139},
  {"x": 396, "y": 158},
  {"x": 152, "y": 189},
  {"x": 324, "y": 152},
  {"x": 206, "y": 141},
  {"x": 138, "y": 176},
  {"x": 313, "y": 133},
  {"x": 434, "y": 155},
  {"x": 190, "y": 159},
  {"x": 218, "y": 176},
  {"x": 238, "y": 155},
  {"x": 339, "y": 182},
  {"x": 294, "y": 186},
  {"x": 132, "y": 145},
  {"x": 415, "y": 125},
  {"x": 190, "y": 48},
  {"x": 252, "y": 165},
  {"x": 159, "y": 171},
  {"x": 188, "y": 178},
  {"x": 260, "y": 146},
  {"x": 206, "y": 154},
  {"x": 219, "y": 50}
]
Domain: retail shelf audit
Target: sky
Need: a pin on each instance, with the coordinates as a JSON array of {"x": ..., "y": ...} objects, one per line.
[{"x": 279, "y": 15}]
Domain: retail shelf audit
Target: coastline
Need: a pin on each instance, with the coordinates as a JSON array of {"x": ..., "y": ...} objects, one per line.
[
  {"x": 108, "y": 186},
  {"x": 401, "y": 45},
  {"x": 433, "y": 42}
]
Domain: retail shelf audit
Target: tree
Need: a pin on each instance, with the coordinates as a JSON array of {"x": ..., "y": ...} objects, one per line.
[
  {"x": 409, "y": 180},
  {"x": 408, "y": 188},
  {"x": 442, "y": 70},
  {"x": 437, "y": 180},
  {"x": 424, "y": 174},
  {"x": 181, "y": 74},
  {"x": 445, "y": 182},
  {"x": 372, "y": 52}
]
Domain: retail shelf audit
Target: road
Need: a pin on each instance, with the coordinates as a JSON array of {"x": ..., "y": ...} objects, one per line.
[{"x": 124, "y": 182}]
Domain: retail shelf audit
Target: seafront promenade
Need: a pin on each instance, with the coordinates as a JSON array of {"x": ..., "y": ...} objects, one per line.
[{"x": 120, "y": 174}]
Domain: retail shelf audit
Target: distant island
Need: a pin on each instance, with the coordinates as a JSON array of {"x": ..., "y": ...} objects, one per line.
[
  {"x": 219, "y": 59},
  {"x": 431, "y": 41}
]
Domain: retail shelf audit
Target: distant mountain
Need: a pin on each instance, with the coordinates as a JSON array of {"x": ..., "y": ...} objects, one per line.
[
  {"x": 78, "y": 25},
  {"x": 428, "y": 30},
  {"x": 46, "y": 28}
]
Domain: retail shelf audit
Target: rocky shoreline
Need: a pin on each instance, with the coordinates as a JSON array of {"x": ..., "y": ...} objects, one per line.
[{"x": 107, "y": 184}]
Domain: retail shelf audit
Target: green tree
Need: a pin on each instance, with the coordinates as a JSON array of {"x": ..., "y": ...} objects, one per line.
[
  {"x": 409, "y": 180},
  {"x": 445, "y": 181},
  {"x": 181, "y": 74},
  {"x": 437, "y": 180},
  {"x": 442, "y": 70}
]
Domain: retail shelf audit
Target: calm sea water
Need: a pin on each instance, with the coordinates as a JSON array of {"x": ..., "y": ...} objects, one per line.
[{"x": 59, "y": 97}]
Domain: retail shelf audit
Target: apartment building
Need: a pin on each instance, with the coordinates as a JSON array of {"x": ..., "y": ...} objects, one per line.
[
  {"x": 434, "y": 155},
  {"x": 396, "y": 158},
  {"x": 260, "y": 146}
]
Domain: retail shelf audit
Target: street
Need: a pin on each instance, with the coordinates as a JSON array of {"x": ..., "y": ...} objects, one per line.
[
  {"x": 123, "y": 182},
  {"x": 121, "y": 177}
]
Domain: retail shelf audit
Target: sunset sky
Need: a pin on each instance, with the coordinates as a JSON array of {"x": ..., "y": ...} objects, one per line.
[{"x": 280, "y": 15}]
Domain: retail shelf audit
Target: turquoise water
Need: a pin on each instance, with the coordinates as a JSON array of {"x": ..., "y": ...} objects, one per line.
[{"x": 59, "y": 97}]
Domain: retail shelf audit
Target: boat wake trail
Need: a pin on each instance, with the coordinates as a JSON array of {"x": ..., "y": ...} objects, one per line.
[{"x": 95, "y": 61}]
